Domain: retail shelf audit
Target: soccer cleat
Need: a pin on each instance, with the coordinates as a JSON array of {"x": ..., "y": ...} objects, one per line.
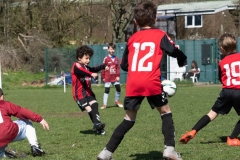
[
  {"x": 99, "y": 128},
  {"x": 171, "y": 154},
  {"x": 104, "y": 106},
  {"x": 37, "y": 151},
  {"x": 119, "y": 104},
  {"x": 186, "y": 137},
  {"x": 233, "y": 142},
  {"x": 102, "y": 132},
  {"x": 11, "y": 153},
  {"x": 105, "y": 155}
]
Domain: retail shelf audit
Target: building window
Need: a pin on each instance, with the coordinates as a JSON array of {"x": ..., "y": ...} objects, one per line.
[{"x": 194, "y": 21}]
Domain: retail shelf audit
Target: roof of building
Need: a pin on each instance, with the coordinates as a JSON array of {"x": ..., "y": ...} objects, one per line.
[{"x": 207, "y": 7}]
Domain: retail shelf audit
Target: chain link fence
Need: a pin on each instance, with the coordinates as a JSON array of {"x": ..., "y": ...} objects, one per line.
[{"x": 205, "y": 52}]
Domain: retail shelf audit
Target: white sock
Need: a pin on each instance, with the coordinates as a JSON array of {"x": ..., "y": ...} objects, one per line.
[
  {"x": 105, "y": 98},
  {"x": 117, "y": 96},
  {"x": 31, "y": 134},
  {"x": 171, "y": 148}
]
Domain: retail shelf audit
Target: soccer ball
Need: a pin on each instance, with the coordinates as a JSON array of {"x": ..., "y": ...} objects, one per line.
[{"x": 169, "y": 87}]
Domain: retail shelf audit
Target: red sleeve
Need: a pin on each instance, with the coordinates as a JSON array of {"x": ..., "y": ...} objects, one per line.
[{"x": 23, "y": 113}]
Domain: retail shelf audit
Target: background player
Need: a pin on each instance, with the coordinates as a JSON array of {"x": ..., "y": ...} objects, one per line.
[
  {"x": 81, "y": 86},
  {"x": 12, "y": 131},
  {"x": 111, "y": 76},
  {"x": 142, "y": 58},
  {"x": 228, "y": 71}
]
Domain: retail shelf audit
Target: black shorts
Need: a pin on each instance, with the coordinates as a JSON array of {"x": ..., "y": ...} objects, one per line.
[
  {"x": 133, "y": 103},
  {"x": 84, "y": 102},
  {"x": 227, "y": 99}
]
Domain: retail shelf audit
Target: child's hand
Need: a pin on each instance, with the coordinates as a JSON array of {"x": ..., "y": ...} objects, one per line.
[
  {"x": 106, "y": 68},
  {"x": 94, "y": 75},
  {"x": 44, "y": 124},
  {"x": 117, "y": 79}
]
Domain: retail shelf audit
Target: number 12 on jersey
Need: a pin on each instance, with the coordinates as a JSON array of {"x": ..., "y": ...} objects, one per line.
[{"x": 138, "y": 65}]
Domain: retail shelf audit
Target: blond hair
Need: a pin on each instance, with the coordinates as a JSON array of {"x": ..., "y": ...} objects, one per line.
[{"x": 228, "y": 42}]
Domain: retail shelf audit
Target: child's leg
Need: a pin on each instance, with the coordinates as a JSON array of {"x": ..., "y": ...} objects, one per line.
[
  {"x": 198, "y": 126},
  {"x": 2, "y": 151},
  {"x": 26, "y": 130},
  {"x": 132, "y": 106},
  {"x": 168, "y": 129},
  {"x": 236, "y": 131},
  {"x": 105, "y": 95},
  {"x": 205, "y": 120},
  {"x": 121, "y": 130},
  {"x": 118, "y": 91},
  {"x": 95, "y": 117},
  {"x": 94, "y": 113},
  {"x": 117, "y": 94}
]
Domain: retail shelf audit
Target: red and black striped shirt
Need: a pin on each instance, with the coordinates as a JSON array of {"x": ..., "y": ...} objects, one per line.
[{"x": 81, "y": 80}]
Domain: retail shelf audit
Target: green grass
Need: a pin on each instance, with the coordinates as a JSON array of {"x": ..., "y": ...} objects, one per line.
[
  {"x": 22, "y": 79},
  {"x": 70, "y": 136}
]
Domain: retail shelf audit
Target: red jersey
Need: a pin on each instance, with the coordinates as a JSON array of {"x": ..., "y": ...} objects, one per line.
[
  {"x": 229, "y": 71},
  {"x": 9, "y": 129},
  {"x": 114, "y": 69},
  {"x": 142, "y": 58},
  {"x": 81, "y": 80}
]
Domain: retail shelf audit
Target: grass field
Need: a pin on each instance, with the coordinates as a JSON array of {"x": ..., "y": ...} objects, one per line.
[{"x": 70, "y": 136}]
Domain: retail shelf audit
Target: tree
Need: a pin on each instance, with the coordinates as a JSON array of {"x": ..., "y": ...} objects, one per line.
[{"x": 121, "y": 15}]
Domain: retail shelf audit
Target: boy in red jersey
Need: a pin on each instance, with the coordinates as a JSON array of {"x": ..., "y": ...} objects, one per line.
[
  {"x": 81, "y": 86},
  {"x": 111, "y": 76},
  {"x": 142, "y": 58},
  {"x": 229, "y": 75},
  {"x": 11, "y": 131}
]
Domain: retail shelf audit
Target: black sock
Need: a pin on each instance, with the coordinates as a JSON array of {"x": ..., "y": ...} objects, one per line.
[
  {"x": 118, "y": 134},
  {"x": 236, "y": 131},
  {"x": 90, "y": 115},
  {"x": 95, "y": 117},
  {"x": 168, "y": 130},
  {"x": 202, "y": 123}
]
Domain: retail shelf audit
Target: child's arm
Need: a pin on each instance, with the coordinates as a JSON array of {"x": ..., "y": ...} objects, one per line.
[
  {"x": 169, "y": 47},
  {"x": 78, "y": 70},
  {"x": 22, "y": 113},
  {"x": 124, "y": 63},
  {"x": 96, "y": 68}
]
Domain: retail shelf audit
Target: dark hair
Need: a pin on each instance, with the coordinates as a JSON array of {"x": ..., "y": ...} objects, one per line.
[
  {"x": 1, "y": 92},
  {"x": 195, "y": 63},
  {"x": 111, "y": 45},
  {"x": 83, "y": 50},
  {"x": 145, "y": 14}
]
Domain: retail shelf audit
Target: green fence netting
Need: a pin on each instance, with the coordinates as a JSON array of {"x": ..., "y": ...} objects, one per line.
[{"x": 205, "y": 52}]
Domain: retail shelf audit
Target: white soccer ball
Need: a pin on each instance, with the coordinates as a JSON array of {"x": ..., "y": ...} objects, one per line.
[{"x": 169, "y": 87}]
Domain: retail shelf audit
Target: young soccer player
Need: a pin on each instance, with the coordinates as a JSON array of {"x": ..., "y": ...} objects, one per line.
[
  {"x": 142, "y": 58},
  {"x": 11, "y": 131},
  {"x": 228, "y": 72},
  {"x": 111, "y": 76},
  {"x": 81, "y": 86}
]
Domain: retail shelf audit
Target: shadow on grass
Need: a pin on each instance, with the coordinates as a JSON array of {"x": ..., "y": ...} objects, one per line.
[
  {"x": 89, "y": 131},
  {"x": 111, "y": 107},
  {"x": 223, "y": 139},
  {"x": 152, "y": 155}
]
